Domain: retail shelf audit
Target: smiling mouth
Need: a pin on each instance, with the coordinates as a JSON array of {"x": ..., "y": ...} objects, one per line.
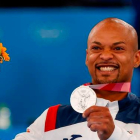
[{"x": 107, "y": 68}]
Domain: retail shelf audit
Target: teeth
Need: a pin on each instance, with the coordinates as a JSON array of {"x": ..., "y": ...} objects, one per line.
[{"x": 107, "y": 68}]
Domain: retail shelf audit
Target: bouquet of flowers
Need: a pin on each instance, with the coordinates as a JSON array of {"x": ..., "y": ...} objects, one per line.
[{"x": 3, "y": 55}]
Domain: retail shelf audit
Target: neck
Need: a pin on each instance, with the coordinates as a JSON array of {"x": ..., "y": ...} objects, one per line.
[{"x": 110, "y": 95}]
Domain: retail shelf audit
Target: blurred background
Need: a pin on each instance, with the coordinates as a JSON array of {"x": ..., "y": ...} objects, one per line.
[{"x": 47, "y": 43}]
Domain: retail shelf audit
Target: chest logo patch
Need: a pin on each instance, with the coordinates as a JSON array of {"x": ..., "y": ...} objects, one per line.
[{"x": 73, "y": 137}]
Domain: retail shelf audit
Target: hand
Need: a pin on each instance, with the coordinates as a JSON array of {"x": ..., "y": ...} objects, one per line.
[{"x": 100, "y": 120}]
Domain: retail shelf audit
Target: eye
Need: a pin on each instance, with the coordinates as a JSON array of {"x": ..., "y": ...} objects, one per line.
[
  {"x": 96, "y": 48},
  {"x": 118, "y": 48}
]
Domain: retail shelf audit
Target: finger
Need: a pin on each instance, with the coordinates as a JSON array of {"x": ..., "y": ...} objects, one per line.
[
  {"x": 96, "y": 115},
  {"x": 98, "y": 127},
  {"x": 94, "y": 109},
  {"x": 95, "y": 127},
  {"x": 93, "y": 122},
  {"x": 99, "y": 121}
]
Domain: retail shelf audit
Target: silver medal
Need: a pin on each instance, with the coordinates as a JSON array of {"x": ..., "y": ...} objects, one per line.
[{"x": 82, "y": 98}]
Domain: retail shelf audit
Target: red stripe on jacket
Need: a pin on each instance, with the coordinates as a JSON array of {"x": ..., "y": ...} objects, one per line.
[{"x": 50, "y": 122}]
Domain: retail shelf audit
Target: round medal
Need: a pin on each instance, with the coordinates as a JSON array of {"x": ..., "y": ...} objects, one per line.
[{"x": 82, "y": 98}]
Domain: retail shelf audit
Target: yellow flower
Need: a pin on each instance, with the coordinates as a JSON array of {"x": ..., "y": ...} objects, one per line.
[{"x": 3, "y": 55}]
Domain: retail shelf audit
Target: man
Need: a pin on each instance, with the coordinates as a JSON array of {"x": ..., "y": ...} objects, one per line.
[{"x": 111, "y": 56}]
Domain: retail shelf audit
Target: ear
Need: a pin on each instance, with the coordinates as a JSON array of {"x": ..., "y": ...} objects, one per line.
[
  {"x": 86, "y": 61},
  {"x": 137, "y": 59}
]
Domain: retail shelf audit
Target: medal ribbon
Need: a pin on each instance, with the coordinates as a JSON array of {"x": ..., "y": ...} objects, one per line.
[{"x": 120, "y": 87}]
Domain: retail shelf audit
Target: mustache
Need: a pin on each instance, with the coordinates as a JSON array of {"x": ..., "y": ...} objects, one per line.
[{"x": 107, "y": 63}]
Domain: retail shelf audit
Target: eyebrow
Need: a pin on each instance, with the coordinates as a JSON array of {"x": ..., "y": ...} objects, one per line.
[
  {"x": 116, "y": 43},
  {"x": 120, "y": 42},
  {"x": 96, "y": 42}
]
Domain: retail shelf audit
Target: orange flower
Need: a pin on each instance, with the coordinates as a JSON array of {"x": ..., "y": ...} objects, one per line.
[
  {"x": 1, "y": 59},
  {"x": 3, "y": 55}
]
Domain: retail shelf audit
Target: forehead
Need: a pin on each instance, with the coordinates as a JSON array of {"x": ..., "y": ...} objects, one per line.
[{"x": 108, "y": 31}]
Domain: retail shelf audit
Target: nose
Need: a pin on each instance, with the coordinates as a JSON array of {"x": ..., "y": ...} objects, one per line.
[{"x": 106, "y": 55}]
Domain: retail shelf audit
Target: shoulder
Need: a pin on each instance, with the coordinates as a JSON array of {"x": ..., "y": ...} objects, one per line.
[
  {"x": 66, "y": 115},
  {"x": 65, "y": 108},
  {"x": 129, "y": 109},
  {"x": 134, "y": 98}
]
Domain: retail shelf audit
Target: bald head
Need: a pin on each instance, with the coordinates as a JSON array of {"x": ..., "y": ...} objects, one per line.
[{"x": 117, "y": 25}]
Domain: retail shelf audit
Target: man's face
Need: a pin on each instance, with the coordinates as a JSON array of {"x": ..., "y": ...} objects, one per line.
[{"x": 110, "y": 54}]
